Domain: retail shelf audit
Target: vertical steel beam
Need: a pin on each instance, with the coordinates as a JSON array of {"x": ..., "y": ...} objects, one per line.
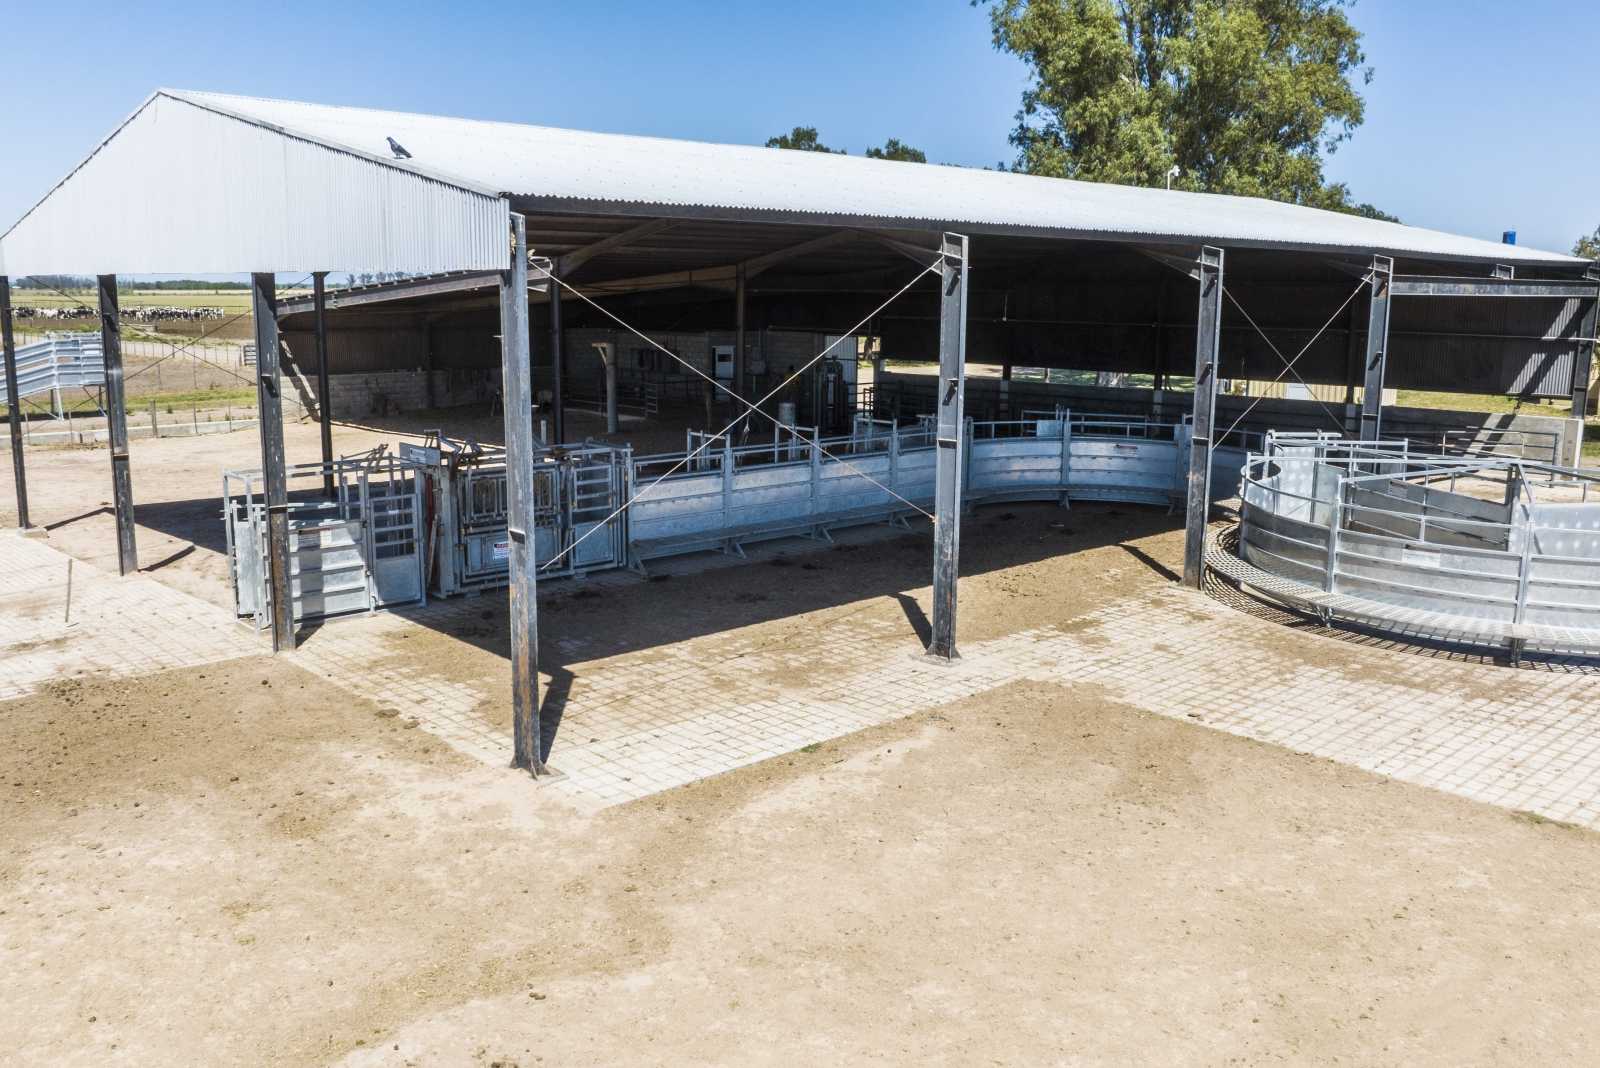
[
  {"x": 741, "y": 384},
  {"x": 319, "y": 301},
  {"x": 1582, "y": 368},
  {"x": 516, "y": 372},
  {"x": 558, "y": 356},
  {"x": 1207, "y": 347},
  {"x": 117, "y": 424},
  {"x": 949, "y": 446},
  {"x": 274, "y": 480},
  {"x": 1377, "y": 347},
  {"x": 8, "y": 342},
  {"x": 612, "y": 425}
]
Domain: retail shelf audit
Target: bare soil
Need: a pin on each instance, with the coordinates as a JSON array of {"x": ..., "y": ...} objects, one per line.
[{"x": 241, "y": 864}]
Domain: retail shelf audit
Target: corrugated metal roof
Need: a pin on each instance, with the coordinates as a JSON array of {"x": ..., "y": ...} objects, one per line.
[
  {"x": 609, "y": 171},
  {"x": 180, "y": 188},
  {"x": 211, "y": 183}
]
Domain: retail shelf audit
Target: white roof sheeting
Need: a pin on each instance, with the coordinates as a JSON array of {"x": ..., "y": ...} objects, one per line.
[
  {"x": 210, "y": 183},
  {"x": 182, "y": 189},
  {"x": 616, "y": 171}
]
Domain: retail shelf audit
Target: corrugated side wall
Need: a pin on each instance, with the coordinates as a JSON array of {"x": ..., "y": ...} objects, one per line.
[{"x": 180, "y": 189}]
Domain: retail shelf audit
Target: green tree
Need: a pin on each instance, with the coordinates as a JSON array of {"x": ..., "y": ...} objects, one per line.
[
  {"x": 1588, "y": 247},
  {"x": 893, "y": 149},
  {"x": 1242, "y": 96},
  {"x": 802, "y": 139}
]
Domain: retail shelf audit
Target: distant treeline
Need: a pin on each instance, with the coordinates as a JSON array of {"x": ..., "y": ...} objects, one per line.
[{"x": 73, "y": 282}]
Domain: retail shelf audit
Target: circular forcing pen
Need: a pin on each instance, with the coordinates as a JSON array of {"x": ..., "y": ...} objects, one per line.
[{"x": 1496, "y": 552}]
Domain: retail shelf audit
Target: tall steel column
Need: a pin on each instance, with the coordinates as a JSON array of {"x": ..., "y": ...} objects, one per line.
[
  {"x": 1207, "y": 345},
  {"x": 319, "y": 303},
  {"x": 558, "y": 414},
  {"x": 951, "y": 429},
  {"x": 1581, "y": 370},
  {"x": 516, "y": 373},
  {"x": 741, "y": 382},
  {"x": 117, "y": 424},
  {"x": 13, "y": 404},
  {"x": 1377, "y": 347},
  {"x": 269, "y": 417}
]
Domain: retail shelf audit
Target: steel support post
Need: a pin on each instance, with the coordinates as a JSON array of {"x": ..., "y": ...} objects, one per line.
[
  {"x": 117, "y": 424},
  {"x": 558, "y": 415},
  {"x": 319, "y": 304},
  {"x": 741, "y": 382},
  {"x": 1377, "y": 347},
  {"x": 274, "y": 481},
  {"x": 1207, "y": 346},
  {"x": 516, "y": 371},
  {"x": 13, "y": 404},
  {"x": 1582, "y": 366},
  {"x": 612, "y": 425},
  {"x": 952, "y": 427}
]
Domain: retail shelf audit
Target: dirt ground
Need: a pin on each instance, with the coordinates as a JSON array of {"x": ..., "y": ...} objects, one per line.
[{"x": 242, "y": 864}]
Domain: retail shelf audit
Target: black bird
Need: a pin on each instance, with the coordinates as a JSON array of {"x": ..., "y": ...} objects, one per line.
[{"x": 398, "y": 149}]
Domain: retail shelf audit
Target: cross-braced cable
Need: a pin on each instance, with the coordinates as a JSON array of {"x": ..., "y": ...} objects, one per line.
[
  {"x": 754, "y": 406},
  {"x": 1288, "y": 364}
]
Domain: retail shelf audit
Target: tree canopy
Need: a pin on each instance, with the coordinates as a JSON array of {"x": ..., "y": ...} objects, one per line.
[
  {"x": 1241, "y": 96},
  {"x": 805, "y": 139},
  {"x": 801, "y": 139},
  {"x": 893, "y": 149},
  {"x": 1589, "y": 246}
]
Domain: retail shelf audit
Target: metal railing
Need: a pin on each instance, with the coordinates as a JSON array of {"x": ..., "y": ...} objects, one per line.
[
  {"x": 718, "y": 493},
  {"x": 59, "y": 362},
  {"x": 1369, "y": 520}
]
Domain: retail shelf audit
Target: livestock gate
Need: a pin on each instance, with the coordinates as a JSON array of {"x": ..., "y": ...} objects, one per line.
[
  {"x": 576, "y": 490},
  {"x": 355, "y": 538}
]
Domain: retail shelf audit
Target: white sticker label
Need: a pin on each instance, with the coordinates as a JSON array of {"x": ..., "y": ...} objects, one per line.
[{"x": 501, "y": 550}]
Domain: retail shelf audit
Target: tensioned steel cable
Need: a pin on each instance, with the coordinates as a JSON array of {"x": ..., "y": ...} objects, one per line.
[
  {"x": 178, "y": 350},
  {"x": 1288, "y": 364},
  {"x": 793, "y": 431},
  {"x": 689, "y": 457}
]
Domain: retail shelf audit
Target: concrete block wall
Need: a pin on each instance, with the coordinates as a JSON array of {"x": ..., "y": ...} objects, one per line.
[{"x": 380, "y": 393}]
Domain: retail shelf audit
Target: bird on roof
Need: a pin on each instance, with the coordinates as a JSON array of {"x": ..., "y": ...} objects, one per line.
[{"x": 398, "y": 149}]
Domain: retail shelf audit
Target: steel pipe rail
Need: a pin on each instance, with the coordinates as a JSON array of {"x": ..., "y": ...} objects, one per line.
[{"x": 1361, "y": 530}]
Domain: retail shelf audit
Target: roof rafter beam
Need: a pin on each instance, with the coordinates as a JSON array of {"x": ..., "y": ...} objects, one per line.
[
  {"x": 756, "y": 265},
  {"x": 921, "y": 255},
  {"x": 1184, "y": 265},
  {"x": 385, "y": 292},
  {"x": 571, "y": 261}
]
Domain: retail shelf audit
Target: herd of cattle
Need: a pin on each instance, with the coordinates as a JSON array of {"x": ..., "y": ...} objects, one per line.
[{"x": 142, "y": 314}]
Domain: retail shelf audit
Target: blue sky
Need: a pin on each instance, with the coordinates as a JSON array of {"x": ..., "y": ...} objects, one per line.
[{"x": 1481, "y": 116}]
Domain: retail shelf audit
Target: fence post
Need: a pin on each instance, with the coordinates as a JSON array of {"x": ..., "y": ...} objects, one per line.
[
  {"x": 894, "y": 458},
  {"x": 1335, "y": 520},
  {"x": 1065, "y": 415},
  {"x": 155, "y": 427},
  {"x": 816, "y": 471},
  {"x": 727, "y": 481}
]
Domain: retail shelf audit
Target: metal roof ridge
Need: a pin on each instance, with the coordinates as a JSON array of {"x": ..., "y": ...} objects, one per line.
[{"x": 427, "y": 173}]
